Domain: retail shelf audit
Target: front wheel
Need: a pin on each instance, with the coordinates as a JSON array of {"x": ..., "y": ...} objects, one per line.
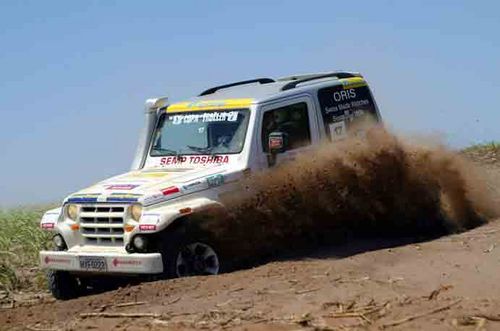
[
  {"x": 62, "y": 284},
  {"x": 188, "y": 254}
]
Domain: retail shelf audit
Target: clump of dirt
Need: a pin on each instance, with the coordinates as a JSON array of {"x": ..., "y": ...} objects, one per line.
[{"x": 375, "y": 185}]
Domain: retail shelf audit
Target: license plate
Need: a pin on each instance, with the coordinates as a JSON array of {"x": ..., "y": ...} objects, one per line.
[{"x": 93, "y": 263}]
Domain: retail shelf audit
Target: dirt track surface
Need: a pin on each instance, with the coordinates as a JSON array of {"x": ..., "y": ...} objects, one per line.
[
  {"x": 453, "y": 281},
  {"x": 448, "y": 283}
]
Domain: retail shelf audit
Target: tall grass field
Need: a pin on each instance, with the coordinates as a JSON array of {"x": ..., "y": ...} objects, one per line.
[{"x": 20, "y": 241}]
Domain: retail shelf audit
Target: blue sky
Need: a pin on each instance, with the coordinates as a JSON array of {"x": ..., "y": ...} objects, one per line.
[{"x": 74, "y": 74}]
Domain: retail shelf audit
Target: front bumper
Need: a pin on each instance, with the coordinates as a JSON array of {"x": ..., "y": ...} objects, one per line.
[{"x": 122, "y": 263}]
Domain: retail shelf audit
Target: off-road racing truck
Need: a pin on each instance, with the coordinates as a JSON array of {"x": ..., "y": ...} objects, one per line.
[{"x": 190, "y": 154}]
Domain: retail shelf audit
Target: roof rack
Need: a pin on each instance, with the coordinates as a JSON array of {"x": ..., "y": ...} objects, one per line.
[
  {"x": 212, "y": 90},
  {"x": 296, "y": 80}
]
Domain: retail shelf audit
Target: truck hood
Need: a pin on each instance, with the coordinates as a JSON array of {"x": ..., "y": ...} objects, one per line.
[{"x": 150, "y": 186}]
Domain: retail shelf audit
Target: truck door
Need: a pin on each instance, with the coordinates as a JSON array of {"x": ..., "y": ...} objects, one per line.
[
  {"x": 347, "y": 108},
  {"x": 296, "y": 118}
]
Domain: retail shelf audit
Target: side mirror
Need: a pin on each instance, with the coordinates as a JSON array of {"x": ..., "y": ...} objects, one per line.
[{"x": 278, "y": 142}]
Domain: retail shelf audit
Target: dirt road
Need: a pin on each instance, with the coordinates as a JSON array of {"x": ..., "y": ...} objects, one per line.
[{"x": 445, "y": 284}]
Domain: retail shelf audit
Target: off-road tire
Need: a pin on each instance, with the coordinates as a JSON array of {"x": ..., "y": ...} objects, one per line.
[
  {"x": 173, "y": 243},
  {"x": 62, "y": 285}
]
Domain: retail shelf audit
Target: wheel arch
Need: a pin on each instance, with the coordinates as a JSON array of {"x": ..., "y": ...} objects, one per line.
[{"x": 195, "y": 219}]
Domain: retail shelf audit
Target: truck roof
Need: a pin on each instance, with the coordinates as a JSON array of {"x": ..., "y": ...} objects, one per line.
[{"x": 266, "y": 89}]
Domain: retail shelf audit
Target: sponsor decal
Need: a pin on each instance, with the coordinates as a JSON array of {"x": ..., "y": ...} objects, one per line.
[
  {"x": 150, "y": 219},
  {"x": 194, "y": 159},
  {"x": 117, "y": 262},
  {"x": 48, "y": 226},
  {"x": 161, "y": 196},
  {"x": 173, "y": 160},
  {"x": 123, "y": 197},
  {"x": 153, "y": 198},
  {"x": 215, "y": 180},
  {"x": 49, "y": 260},
  {"x": 344, "y": 95},
  {"x": 170, "y": 190},
  {"x": 210, "y": 117},
  {"x": 147, "y": 227},
  {"x": 192, "y": 185},
  {"x": 84, "y": 197},
  {"x": 121, "y": 187}
]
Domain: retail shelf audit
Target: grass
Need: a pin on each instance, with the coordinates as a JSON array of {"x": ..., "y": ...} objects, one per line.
[
  {"x": 486, "y": 153},
  {"x": 493, "y": 146},
  {"x": 20, "y": 241}
]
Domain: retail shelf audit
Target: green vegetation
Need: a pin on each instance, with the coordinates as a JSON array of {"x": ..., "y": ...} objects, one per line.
[
  {"x": 20, "y": 241},
  {"x": 492, "y": 146}
]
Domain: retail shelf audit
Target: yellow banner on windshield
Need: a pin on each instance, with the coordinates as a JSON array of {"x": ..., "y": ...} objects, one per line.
[{"x": 209, "y": 105}]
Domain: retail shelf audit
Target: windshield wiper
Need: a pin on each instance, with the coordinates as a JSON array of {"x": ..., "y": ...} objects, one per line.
[
  {"x": 201, "y": 150},
  {"x": 170, "y": 152}
]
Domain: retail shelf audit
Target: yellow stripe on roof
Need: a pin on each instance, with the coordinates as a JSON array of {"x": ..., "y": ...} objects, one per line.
[
  {"x": 353, "y": 82},
  {"x": 209, "y": 105}
]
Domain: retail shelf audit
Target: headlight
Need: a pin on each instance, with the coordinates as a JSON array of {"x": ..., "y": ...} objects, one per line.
[
  {"x": 72, "y": 211},
  {"x": 136, "y": 212}
]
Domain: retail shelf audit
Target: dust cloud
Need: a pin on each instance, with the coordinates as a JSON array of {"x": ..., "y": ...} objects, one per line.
[{"x": 376, "y": 185}]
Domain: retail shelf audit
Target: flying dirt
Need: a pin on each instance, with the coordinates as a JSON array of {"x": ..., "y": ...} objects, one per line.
[{"x": 370, "y": 186}]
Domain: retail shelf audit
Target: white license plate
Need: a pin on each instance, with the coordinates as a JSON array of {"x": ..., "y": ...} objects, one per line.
[{"x": 93, "y": 263}]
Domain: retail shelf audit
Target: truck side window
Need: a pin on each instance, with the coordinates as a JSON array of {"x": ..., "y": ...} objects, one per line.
[{"x": 292, "y": 120}]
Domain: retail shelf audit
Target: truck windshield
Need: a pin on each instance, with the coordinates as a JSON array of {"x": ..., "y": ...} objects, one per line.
[{"x": 200, "y": 132}]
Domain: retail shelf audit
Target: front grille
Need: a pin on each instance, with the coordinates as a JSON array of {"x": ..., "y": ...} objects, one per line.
[{"x": 102, "y": 224}]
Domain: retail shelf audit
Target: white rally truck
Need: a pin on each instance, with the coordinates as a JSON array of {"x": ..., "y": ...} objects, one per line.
[{"x": 190, "y": 154}]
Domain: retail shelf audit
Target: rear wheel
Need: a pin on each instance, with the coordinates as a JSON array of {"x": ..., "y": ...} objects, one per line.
[
  {"x": 190, "y": 253},
  {"x": 62, "y": 285}
]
